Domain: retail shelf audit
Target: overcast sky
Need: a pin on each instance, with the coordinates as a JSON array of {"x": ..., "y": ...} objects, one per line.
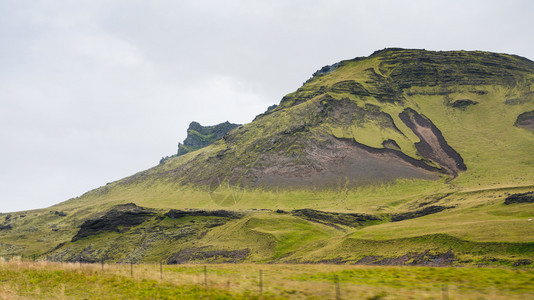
[{"x": 93, "y": 91}]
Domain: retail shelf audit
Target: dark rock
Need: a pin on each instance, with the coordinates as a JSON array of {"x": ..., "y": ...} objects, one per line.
[
  {"x": 526, "y": 120},
  {"x": 419, "y": 213},
  {"x": 176, "y": 214},
  {"x": 6, "y": 227},
  {"x": 326, "y": 70},
  {"x": 59, "y": 213},
  {"x": 527, "y": 197},
  {"x": 330, "y": 218},
  {"x": 522, "y": 262},
  {"x": 199, "y": 136},
  {"x": 463, "y": 103},
  {"x": 119, "y": 219},
  {"x": 269, "y": 110},
  {"x": 272, "y": 107}
]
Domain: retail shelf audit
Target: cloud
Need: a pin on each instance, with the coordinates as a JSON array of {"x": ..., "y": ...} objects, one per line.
[{"x": 109, "y": 50}]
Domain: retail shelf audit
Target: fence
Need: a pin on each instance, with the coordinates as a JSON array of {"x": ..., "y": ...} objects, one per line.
[{"x": 267, "y": 281}]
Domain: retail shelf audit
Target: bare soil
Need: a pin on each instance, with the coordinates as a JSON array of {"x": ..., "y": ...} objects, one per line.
[
  {"x": 432, "y": 144},
  {"x": 339, "y": 162}
]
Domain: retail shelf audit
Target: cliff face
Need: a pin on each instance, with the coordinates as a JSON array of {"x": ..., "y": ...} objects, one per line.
[{"x": 199, "y": 136}]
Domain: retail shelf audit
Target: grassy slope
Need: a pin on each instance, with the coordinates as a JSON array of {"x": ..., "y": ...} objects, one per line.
[{"x": 498, "y": 157}]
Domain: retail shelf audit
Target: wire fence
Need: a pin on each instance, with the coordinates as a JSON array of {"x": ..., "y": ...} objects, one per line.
[{"x": 272, "y": 281}]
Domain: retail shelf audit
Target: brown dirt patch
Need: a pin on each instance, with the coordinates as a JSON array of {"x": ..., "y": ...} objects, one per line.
[
  {"x": 526, "y": 120},
  {"x": 339, "y": 162},
  {"x": 432, "y": 144}
]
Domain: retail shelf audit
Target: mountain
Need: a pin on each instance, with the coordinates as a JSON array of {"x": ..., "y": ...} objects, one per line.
[
  {"x": 374, "y": 120},
  {"x": 402, "y": 157}
]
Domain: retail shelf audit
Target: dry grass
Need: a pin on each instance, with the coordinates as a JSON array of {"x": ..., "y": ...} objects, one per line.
[{"x": 46, "y": 280}]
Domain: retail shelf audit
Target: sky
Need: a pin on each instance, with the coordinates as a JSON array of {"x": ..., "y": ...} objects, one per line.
[{"x": 94, "y": 91}]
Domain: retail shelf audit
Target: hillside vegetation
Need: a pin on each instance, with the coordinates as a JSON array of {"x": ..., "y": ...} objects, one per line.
[{"x": 404, "y": 157}]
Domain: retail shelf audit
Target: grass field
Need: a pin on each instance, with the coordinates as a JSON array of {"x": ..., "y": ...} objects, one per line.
[{"x": 45, "y": 280}]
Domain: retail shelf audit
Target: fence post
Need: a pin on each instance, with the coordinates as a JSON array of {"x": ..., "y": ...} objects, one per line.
[
  {"x": 102, "y": 262},
  {"x": 205, "y": 277},
  {"x": 445, "y": 292},
  {"x": 261, "y": 283},
  {"x": 161, "y": 271},
  {"x": 338, "y": 291},
  {"x": 131, "y": 269}
]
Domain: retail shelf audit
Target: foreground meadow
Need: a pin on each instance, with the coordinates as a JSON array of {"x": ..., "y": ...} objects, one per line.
[{"x": 46, "y": 280}]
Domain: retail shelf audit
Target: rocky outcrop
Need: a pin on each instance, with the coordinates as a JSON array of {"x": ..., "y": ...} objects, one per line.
[
  {"x": 520, "y": 198},
  {"x": 463, "y": 103},
  {"x": 410, "y": 68},
  {"x": 176, "y": 214},
  {"x": 433, "y": 209},
  {"x": 526, "y": 120},
  {"x": 199, "y": 136},
  {"x": 331, "y": 218},
  {"x": 118, "y": 219}
]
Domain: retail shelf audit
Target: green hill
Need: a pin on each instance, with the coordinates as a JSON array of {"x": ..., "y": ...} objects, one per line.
[{"x": 402, "y": 157}]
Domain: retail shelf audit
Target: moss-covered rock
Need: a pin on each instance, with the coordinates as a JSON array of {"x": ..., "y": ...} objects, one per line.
[{"x": 199, "y": 136}]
